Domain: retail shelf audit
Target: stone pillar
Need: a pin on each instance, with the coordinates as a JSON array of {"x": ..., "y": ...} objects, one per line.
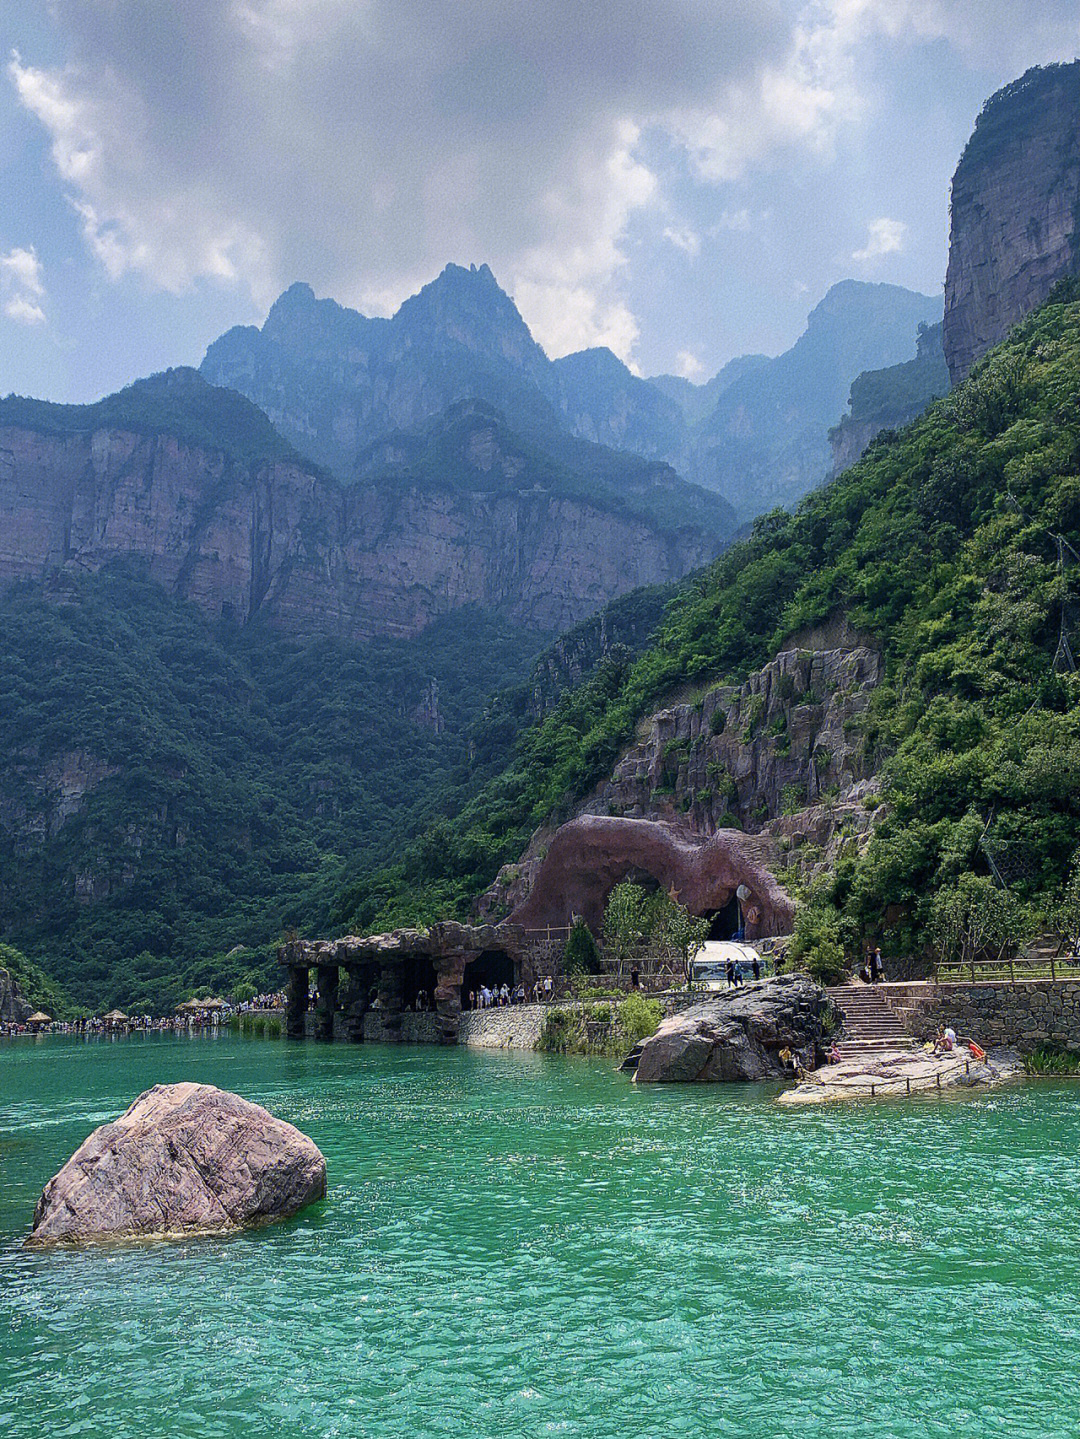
[
  {"x": 450, "y": 975},
  {"x": 296, "y": 1001},
  {"x": 355, "y": 1000},
  {"x": 391, "y": 999},
  {"x": 328, "y": 986}
]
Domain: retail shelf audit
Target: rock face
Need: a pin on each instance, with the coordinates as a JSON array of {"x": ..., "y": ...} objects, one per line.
[
  {"x": 737, "y": 1036},
  {"x": 184, "y": 1158},
  {"x": 750, "y": 780},
  {"x": 13, "y": 1008},
  {"x": 243, "y": 535},
  {"x": 1015, "y": 211},
  {"x": 890, "y": 398},
  {"x": 778, "y": 742},
  {"x": 590, "y": 855}
]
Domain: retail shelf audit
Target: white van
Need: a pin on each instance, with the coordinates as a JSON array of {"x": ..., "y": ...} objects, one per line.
[{"x": 708, "y": 968}]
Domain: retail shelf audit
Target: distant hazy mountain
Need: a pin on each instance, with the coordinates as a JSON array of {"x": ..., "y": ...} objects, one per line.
[
  {"x": 344, "y": 389},
  {"x": 890, "y": 398},
  {"x": 766, "y": 441},
  {"x": 697, "y": 402}
]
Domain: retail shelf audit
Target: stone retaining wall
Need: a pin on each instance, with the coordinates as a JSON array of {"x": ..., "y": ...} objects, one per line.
[
  {"x": 517, "y": 1026},
  {"x": 1023, "y": 1015}
]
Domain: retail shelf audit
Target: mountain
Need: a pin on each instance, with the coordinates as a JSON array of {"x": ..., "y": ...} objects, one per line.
[
  {"x": 1015, "y": 212},
  {"x": 338, "y": 386},
  {"x": 766, "y": 441},
  {"x": 333, "y": 382},
  {"x": 600, "y": 399},
  {"x": 878, "y": 686},
  {"x": 194, "y": 482},
  {"x": 697, "y": 402},
  {"x": 174, "y": 785},
  {"x": 890, "y": 398}
]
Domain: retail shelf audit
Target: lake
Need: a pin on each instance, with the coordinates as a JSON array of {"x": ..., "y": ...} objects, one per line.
[{"x": 523, "y": 1245}]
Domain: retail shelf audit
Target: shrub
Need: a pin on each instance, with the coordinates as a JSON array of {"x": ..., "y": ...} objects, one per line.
[
  {"x": 582, "y": 955},
  {"x": 639, "y": 1017},
  {"x": 1046, "y": 1060},
  {"x": 816, "y": 945},
  {"x": 559, "y": 1032}
]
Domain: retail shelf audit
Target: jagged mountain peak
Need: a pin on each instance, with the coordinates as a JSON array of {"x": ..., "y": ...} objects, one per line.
[{"x": 468, "y": 307}]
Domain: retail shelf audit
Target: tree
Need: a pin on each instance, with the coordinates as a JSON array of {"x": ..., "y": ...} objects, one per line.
[
  {"x": 582, "y": 954},
  {"x": 625, "y": 920},
  {"x": 681, "y": 934},
  {"x": 1066, "y": 912},
  {"x": 974, "y": 920}
]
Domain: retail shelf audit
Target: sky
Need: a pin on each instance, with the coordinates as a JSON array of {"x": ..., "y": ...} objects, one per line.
[{"x": 681, "y": 180}]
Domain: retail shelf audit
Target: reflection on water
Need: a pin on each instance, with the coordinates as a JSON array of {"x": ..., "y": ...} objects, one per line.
[{"x": 522, "y": 1245}]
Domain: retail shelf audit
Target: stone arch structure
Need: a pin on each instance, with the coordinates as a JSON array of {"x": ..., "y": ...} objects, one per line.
[{"x": 591, "y": 854}]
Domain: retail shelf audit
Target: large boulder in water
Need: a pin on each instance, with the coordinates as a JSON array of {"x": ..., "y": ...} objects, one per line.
[
  {"x": 738, "y": 1035},
  {"x": 183, "y": 1159}
]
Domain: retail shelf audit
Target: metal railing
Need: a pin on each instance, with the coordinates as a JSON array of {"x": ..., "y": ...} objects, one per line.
[{"x": 1008, "y": 971}]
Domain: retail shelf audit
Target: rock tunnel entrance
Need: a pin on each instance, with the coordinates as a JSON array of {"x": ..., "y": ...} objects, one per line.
[
  {"x": 723, "y": 923},
  {"x": 493, "y": 967},
  {"x": 418, "y": 981}
]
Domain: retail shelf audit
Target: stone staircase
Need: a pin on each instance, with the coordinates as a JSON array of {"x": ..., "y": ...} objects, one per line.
[{"x": 871, "y": 1025}]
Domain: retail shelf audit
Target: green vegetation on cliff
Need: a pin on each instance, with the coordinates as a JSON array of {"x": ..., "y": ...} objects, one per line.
[
  {"x": 178, "y": 403},
  {"x": 173, "y": 788},
  {"x": 941, "y": 544}
]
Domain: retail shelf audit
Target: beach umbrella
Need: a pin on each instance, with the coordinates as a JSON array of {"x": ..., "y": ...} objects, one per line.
[
  {"x": 115, "y": 1016},
  {"x": 39, "y": 1017}
]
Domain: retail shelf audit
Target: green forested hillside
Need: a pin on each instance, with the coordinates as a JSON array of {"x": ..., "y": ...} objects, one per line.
[
  {"x": 232, "y": 772},
  {"x": 942, "y": 544}
]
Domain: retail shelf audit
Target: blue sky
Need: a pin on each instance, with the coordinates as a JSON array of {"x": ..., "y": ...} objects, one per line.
[{"x": 679, "y": 179}]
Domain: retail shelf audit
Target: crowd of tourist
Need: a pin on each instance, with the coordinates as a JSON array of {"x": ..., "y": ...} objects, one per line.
[{"x": 503, "y": 996}]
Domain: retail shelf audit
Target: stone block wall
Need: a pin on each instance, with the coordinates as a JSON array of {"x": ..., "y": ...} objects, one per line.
[
  {"x": 1023, "y": 1016},
  {"x": 515, "y": 1027}
]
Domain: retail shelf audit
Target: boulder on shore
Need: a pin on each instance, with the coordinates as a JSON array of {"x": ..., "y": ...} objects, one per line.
[
  {"x": 738, "y": 1035},
  {"x": 183, "y": 1159}
]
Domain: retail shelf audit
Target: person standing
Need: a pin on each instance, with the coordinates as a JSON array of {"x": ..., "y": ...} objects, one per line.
[
  {"x": 877, "y": 967},
  {"x": 548, "y": 987},
  {"x": 756, "y": 966}
]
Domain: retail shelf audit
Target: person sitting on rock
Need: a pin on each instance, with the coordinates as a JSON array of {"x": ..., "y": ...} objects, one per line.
[{"x": 946, "y": 1040}]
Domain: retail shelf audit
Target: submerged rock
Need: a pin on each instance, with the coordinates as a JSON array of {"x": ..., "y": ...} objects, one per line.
[
  {"x": 738, "y": 1035},
  {"x": 184, "y": 1158}
]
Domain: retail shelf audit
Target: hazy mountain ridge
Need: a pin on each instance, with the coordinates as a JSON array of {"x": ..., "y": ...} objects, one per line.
[{"x": 337, "y": 385}]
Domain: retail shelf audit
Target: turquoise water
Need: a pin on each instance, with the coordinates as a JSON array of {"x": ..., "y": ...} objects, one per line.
[{"x": 527, "y": 1246}]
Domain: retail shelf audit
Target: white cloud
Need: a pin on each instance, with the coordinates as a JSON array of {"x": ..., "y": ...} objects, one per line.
[
  {"x": 884, "y": 237},
  {"x": 688, "y": 365},
  {"x": 21, "y": 287},
  {"x": 684, "y": 239},
  {"x": 254, "y": 142},
  {"x": 249, "y": 143}
]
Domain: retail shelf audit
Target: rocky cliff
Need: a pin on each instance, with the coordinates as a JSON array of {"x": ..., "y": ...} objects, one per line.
[
  {"x": 1015, "y": 211},
  {"x": 890, "y": 398},
  {"x": 781, "y": 757},
  {"x": 243, "y": 528}
]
